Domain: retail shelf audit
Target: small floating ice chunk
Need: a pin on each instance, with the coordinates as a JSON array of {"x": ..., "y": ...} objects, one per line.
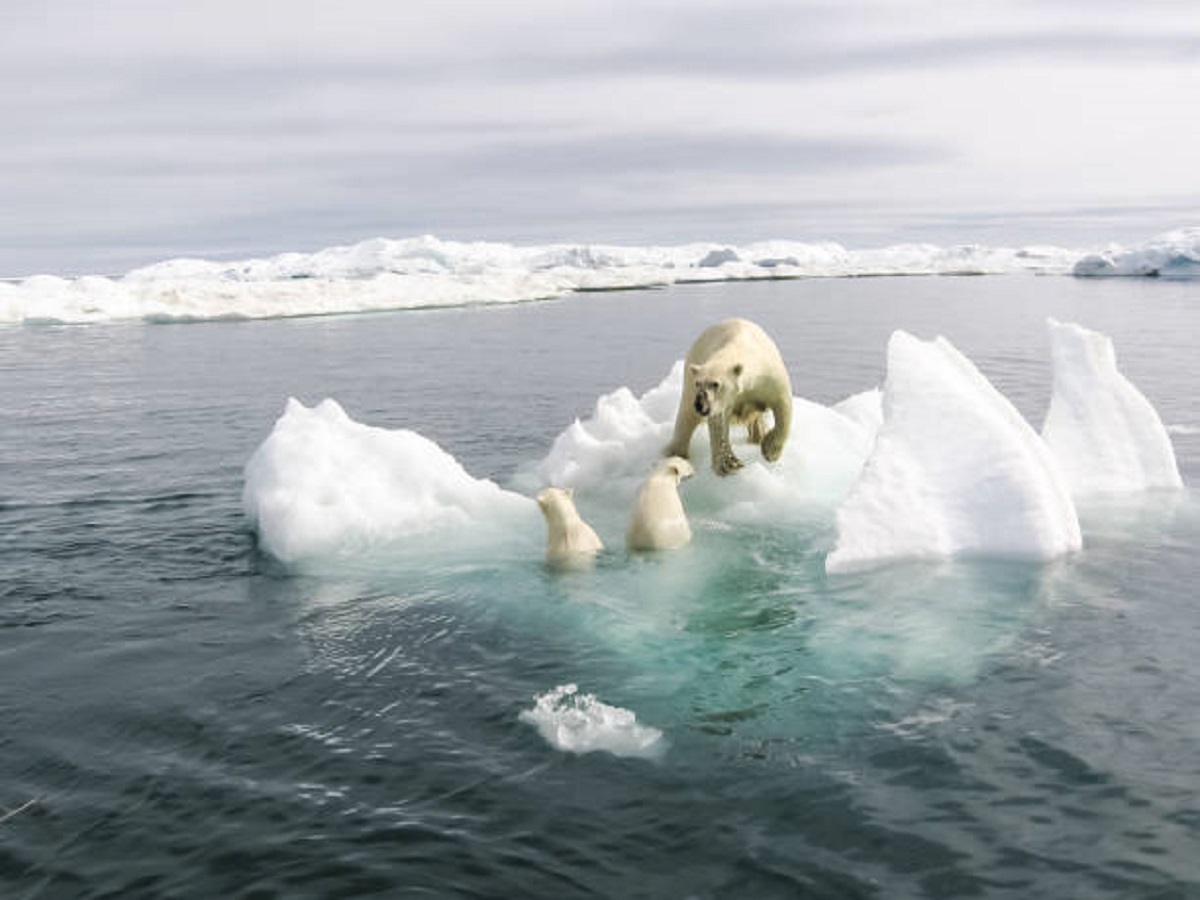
[
  {"x": 1106, "y": 435},
  {"x": 579, "y": 723},
  {"x": 955, "y": 470},
  {"x": 324, "y": 485}
]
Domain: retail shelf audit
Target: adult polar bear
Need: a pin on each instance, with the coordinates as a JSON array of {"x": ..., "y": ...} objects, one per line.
[{"x": 736, "y": 374}]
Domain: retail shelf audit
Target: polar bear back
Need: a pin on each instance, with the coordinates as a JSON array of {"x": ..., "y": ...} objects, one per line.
[
  {"x": 739, "y": 341},
  {"x": 659, "y": 521},
  {"x": 570, "y": 541},
  {"x": 734, "y": 375},
  {"x": 731, "y": 332}
]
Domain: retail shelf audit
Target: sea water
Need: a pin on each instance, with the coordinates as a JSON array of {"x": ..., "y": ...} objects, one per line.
[{"x": 185, "y": 715}]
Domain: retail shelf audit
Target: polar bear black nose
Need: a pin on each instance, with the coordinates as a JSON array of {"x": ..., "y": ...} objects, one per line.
[{"x": 702, "y": 404}]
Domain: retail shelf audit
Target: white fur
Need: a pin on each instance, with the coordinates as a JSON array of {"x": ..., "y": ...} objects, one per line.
[
  {"x": 737, "y": 371},
  {"x": 570, "y": 542},
  {"x": 659, "y": 521}
]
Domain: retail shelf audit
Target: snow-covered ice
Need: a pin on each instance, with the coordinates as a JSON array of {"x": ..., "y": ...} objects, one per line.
[
  {"x": 955, "y": 470},
  {"x": 619, "y": 444},
  {"x": 420, "y": 272},
  {"x": 385, "y": 274},
  {"x": 1175, "y": 254},
  {"x": 322, "y": 485},
  {"x": 1105, "y": 434},
  {"x": 937, "y": 463}
]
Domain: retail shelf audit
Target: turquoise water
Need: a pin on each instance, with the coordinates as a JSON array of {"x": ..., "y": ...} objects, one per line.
[{"x": 184, "y": 717}]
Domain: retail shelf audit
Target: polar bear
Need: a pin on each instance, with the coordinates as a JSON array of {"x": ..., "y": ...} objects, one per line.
[
  {"x": 570, "y": 542},
  {"x": 659, "y": 522},
  {"x": 734, "y": 374}
]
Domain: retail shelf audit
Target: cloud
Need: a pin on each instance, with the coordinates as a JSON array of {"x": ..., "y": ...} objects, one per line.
[
  {"x": 691, "y": 156},
  {"x": 271, "y": 123}
]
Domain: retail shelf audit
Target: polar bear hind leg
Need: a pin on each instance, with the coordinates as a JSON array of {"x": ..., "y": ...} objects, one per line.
[{"x": 756, "y": 426}]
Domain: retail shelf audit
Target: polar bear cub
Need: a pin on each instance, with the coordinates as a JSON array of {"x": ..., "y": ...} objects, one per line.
[
  {"x": 570, "y": 542},
  {"x": 659, "y": 521},
  {"x": 735, "y": 375}
]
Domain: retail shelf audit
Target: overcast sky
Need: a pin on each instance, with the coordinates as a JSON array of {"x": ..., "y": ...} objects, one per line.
[{"x": 136, "y": 131}]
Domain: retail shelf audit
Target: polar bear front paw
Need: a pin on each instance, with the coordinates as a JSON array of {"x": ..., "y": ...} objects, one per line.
[{"x": 726, "y": 463}]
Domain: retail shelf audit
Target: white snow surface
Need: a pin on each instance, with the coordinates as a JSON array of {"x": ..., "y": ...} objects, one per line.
[
  {"x": 1105, "y": 434},
  {"x": 935, "y": 464},
  {"x": 324, "y": 486},
  {"x": 955, "y": 470},
  {"x": 617, "y": 447},
  {"x": 392, "y": 274},
  {"x": 387, "y": 274},
  {"x": 1175, "y": 254}
]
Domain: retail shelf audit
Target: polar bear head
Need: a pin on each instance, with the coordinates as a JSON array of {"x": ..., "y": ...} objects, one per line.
[
  {"x": 716, "y": 385},
  {"x": 557, "y": 504},
  {"x": 676, "y": 468}
]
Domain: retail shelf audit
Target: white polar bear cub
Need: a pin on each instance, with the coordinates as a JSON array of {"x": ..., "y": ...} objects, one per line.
[
  {"x": 570, "y": 542},
  {"x": 736, "y": 374},
  {"x": 659, "y": 522}
]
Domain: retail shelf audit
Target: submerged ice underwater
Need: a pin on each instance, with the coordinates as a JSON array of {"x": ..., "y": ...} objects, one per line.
[{"x": 943, "y": 647}]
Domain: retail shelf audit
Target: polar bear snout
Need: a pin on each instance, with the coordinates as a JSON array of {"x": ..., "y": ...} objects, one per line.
[{"x": 703, "y": 407}]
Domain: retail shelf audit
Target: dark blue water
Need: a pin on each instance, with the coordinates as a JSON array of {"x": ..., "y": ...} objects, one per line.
[{"x": 182, "y": 718}]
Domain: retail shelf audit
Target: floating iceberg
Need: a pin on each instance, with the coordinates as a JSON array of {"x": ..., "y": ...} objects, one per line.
[
  {"x": 955, "y": 470},
  {"x": 1175, "y": 254},
  {"x": 322, "y": 485},
  {"x": 1105, "y": 434},
  {"x": 938, "y": 463}
]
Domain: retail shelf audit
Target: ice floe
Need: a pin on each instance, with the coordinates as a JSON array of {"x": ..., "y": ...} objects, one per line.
[
  {"x": 935, "y": 463},
  {"x": 322, "y": 485},
  {"x": 1175, "y": 254},
  {"x": 421, "y": 272},
  {"x": 955, "y": 470}
]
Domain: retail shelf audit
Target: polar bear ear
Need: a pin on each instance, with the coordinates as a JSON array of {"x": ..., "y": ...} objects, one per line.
[{"x": 694, "y": 369}]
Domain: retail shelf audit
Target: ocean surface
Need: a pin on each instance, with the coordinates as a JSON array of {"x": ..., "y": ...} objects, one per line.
[{"x": 186, "y": 716}]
